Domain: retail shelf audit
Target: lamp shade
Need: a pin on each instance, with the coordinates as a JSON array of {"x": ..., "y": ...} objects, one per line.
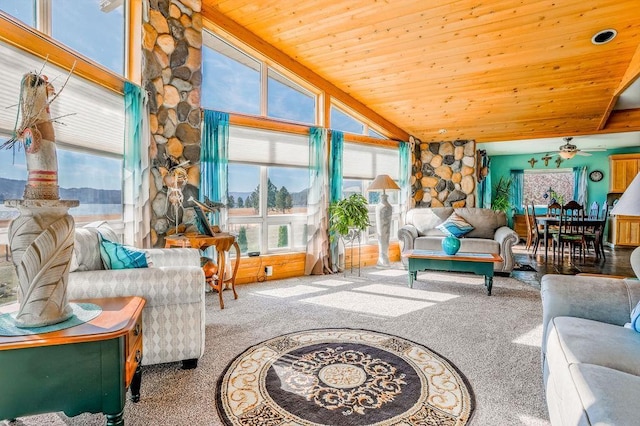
[
  {"x": 629, "y": 203},
  {"x": 381, "y": 183}
]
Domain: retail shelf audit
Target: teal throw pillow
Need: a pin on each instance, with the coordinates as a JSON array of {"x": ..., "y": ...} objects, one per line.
[
  {"x": 635, "y": 318},
  {"x": 118, "y": 256},
  {"x": 455, "y": 226}
]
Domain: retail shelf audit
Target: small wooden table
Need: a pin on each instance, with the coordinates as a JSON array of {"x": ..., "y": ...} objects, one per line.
[
  {"x": 222, "y": 242},
  {"x": 86, "y": 368},
  {"x": 478, "y": 263}
]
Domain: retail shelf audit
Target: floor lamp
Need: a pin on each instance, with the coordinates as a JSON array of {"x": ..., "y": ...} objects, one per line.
[
  {"x": 383, "y": 215},
  {"x": 629, "y": 205}
]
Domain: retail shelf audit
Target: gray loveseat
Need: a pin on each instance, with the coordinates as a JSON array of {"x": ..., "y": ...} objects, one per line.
[
  {"x": 490, "y": 234},
  {"x": 591, "y": 362}
]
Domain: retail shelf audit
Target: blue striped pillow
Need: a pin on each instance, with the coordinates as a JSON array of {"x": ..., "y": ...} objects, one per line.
[
  {"x": 118, "y": 256},
  {"x": 455, "y": 226},
  {"x": 635, "y": 318}
]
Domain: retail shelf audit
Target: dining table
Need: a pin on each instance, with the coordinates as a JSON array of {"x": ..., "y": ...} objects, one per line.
[{"x": 549, "y": 221}]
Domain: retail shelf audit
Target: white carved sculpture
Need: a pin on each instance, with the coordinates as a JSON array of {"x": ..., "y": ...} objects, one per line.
[{"x": 41, "y": 238}]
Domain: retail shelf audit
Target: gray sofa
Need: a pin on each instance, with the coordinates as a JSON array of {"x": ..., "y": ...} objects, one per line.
[
  {"x": 591, "y": 363},
  {"x": 490, "y": 234}
]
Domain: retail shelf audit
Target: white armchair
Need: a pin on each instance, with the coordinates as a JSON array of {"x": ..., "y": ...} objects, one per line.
[{"x": 173, "y": 319}]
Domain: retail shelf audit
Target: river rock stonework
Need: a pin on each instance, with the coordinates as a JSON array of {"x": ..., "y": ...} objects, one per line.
[
  {"x": 443, "y": 173},
  {"x": 172, "y": 74}
]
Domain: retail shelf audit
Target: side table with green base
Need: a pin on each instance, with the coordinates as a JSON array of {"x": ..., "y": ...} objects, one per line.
[
  {"x": 478, "y": 263},
  {"x": 84, "y": 368}
]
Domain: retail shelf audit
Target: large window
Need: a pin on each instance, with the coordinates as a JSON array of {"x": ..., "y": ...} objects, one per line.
[
  {"x": 93, "y": 28},
  {"x": 268, "y": 183},
  {"x": 92, "y": 179},
  {"x": 361, "y": 164},
  {"x": 543, "y": 186},
  {"x": 288, "y": 100},
  {"x": 232, "y": 81},
  {"x": 231, "y": 78}
]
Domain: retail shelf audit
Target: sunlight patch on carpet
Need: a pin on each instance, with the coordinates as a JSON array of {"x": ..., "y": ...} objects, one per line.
[
  {"x": 451, "y": 278},
  {"x": 409, "y": 293},
  {"x": 390, "y": 273},
  {"x": 373, "y": 304},
  {"x": 532, "y": 421},
  {"x": 283, "y": 292},
  {"x": 530, "y": 338},
  {"x": 332, "y": 283}
]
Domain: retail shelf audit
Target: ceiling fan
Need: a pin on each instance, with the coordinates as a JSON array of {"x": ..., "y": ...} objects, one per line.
[{"x": 569, "y": 150}]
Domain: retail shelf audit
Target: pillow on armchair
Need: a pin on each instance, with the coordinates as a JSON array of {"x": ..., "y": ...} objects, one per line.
[{"x": 86, "y": 246}]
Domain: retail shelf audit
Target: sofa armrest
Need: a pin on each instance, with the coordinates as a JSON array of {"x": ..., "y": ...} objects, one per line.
[
  {"x": 607, "y": 300},
  {"x": 174, "y": 256},
  {"x": 168, "y": 285},
  {"x": 406, "y": 234},
  {"x": 506, "y": 237}
]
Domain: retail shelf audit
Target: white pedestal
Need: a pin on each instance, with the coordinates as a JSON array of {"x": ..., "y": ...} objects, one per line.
[
  {"x": 41, "y": 241},
  {"x": 383, "y": 228}
]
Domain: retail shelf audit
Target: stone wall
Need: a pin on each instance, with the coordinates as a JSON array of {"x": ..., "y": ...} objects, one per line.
[
  {"x": 443, "y": 173},
  {"x": 172, "y": 62}
]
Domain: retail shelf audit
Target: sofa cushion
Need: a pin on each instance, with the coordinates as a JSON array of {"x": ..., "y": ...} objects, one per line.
[
  {"x": 455, "y": 226},
  {"x": 467, "y": 245},
  {"x": 426, "y": 220},
  {"x": 86, "y": 246},
  {"x": 574, "y": 340},
  {"x": 608, "y": 397},
  {"x": 484, "y": 221}
]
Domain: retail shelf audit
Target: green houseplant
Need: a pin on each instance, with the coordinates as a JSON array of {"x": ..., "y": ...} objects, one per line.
[
  {"x": 348, "y": 215},
  {"x": 501, "y": 196}
]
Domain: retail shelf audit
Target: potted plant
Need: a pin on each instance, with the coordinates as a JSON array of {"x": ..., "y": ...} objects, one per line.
[
  {"x": 348, "y": 215},
  {"x": 501, "y": 199},
  {"x": 347, "y": 218}
]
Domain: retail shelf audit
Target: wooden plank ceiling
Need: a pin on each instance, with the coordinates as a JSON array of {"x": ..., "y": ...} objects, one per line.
[{"x": 485, "y": 70}]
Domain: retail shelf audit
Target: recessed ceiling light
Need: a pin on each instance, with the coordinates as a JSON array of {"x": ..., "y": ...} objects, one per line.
[
  {"x": 442, "y": 131},
  {"x": 604, "y": 36}
]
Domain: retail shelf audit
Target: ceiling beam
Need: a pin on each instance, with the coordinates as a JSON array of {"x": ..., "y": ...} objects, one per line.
[
  {"x": 630, "y": 75},
  {"x": 232, "y": 28}
]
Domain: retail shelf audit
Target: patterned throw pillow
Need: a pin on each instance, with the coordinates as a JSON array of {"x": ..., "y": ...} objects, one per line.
[
  {"x": 635, "y": 318},
  {"x": 455, "y": 226},
  {"x": 118, "y": 256}
]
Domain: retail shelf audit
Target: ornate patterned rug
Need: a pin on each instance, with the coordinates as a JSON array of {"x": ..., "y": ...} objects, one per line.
[{"x": 342, "y": 377}]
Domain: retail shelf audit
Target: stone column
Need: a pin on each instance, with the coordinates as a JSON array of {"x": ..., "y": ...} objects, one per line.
[
  {"x": 172, "y": 74},
  {"x": 443, "y": 173}
]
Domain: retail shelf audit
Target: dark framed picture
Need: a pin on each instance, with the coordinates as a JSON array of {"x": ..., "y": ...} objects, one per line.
[
  {"x": 596, "y": 176},
  {"x": 203, "y": 225}
]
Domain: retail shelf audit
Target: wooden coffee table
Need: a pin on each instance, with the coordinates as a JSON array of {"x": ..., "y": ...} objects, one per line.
[{"x": 478, "y": 263}]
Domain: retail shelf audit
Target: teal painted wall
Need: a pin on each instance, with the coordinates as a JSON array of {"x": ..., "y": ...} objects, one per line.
[{"x": 501, "y": 166}]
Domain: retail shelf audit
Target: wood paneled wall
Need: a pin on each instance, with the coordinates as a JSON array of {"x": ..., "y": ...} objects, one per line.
[{"x": 289, "y": 265}]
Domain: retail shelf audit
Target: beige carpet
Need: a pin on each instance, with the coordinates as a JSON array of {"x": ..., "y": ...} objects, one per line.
[{"x": 494, "y": 341}]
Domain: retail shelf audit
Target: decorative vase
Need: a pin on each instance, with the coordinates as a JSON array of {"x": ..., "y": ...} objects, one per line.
[{"x": 450, "y": 245}]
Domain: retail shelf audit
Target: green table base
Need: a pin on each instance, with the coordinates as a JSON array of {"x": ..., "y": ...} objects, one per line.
[{"x": 478, "y": 268}]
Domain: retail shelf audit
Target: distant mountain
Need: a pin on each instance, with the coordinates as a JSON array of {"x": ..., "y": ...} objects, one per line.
[
  {"x": 298, "y": 199},
  {"x": 11, "y": 189}
]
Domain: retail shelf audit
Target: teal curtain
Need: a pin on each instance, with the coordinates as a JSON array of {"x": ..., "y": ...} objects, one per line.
[
  {"x": 135, "y": 188},
  {"x": 580, "y": 185},
  {"x": 517, "y": 189},
  {"x": 335, "y": 166},
  {"x": 214, "y": 160},
  {"x": 404, "y": 155},
  {"x": 317, "y": 261},
  {"x": 335, "y": 186}
]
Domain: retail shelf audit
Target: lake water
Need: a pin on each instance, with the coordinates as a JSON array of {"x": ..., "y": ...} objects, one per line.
[{"x": 85, "y": 210}]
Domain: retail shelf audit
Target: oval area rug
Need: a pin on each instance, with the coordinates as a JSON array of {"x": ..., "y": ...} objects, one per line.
[{"x": 342, "y": 377}]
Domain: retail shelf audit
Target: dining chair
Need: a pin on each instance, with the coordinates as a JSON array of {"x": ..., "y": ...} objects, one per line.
[
  {"x": 537, "y": 231},
  {"x": 594, "y": 235},
  {"x": 529, "y": 223},
  {"x": 554, "y": 209},
  {"x": 570, "y": 232}
]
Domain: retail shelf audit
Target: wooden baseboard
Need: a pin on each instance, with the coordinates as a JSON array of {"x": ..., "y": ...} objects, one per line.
[{"x": 289, "y": 265}]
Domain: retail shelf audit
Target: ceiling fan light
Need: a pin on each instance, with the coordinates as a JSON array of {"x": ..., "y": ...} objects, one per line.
[{"x": 567, "y": 155}]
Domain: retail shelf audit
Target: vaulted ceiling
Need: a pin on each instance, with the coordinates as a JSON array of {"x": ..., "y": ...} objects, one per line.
[{"x": 469, "y": 69}]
